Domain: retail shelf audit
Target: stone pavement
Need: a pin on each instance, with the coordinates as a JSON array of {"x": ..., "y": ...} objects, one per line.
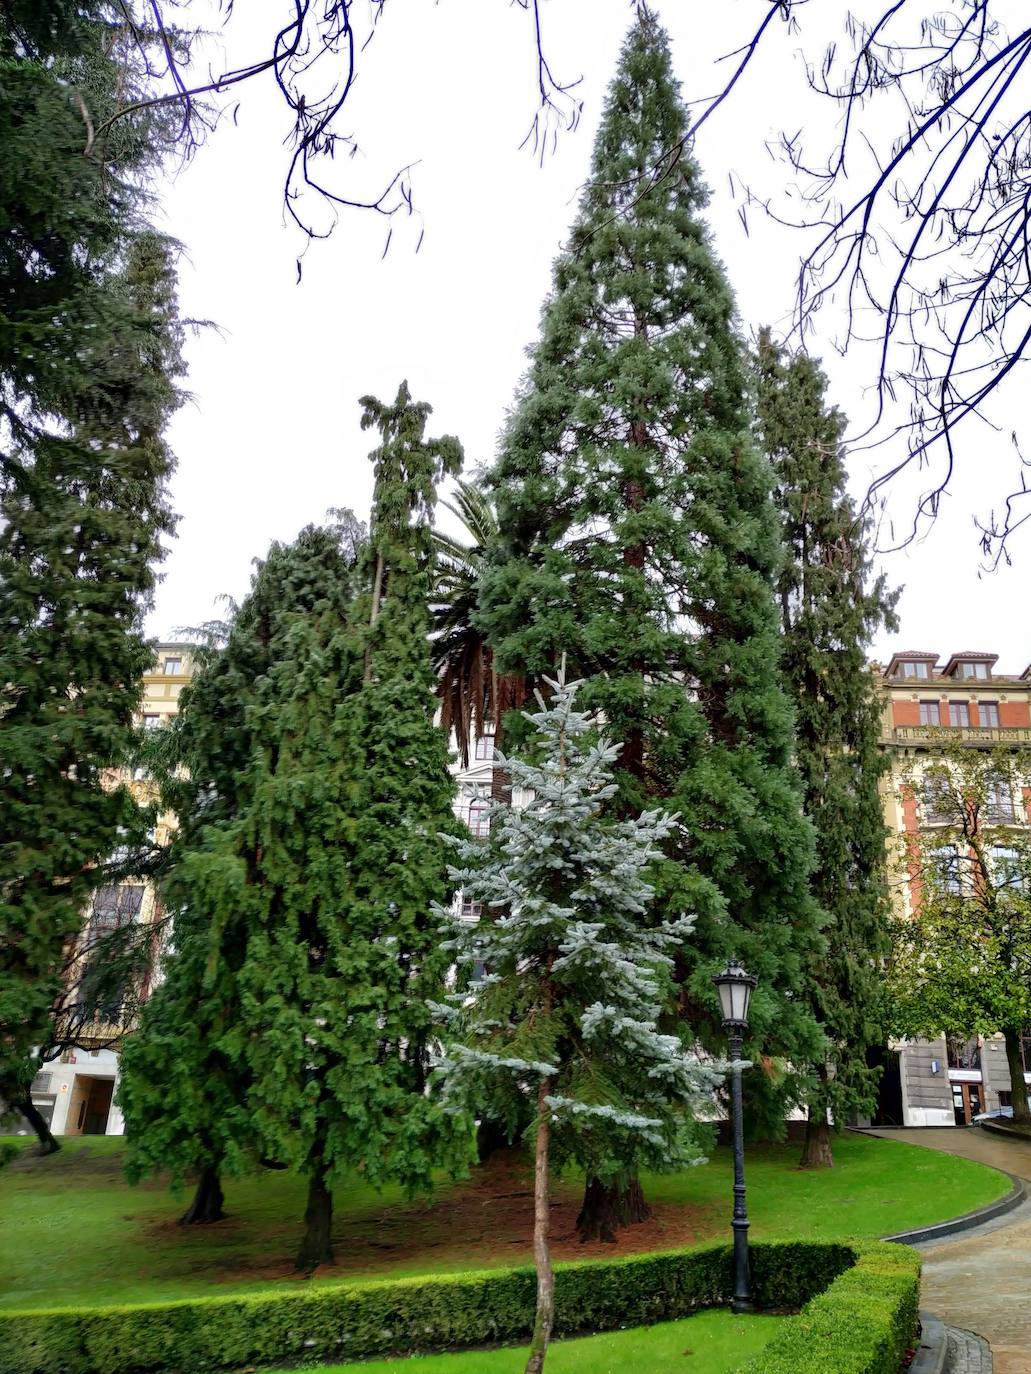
[{"x": 981, "y": 1280}]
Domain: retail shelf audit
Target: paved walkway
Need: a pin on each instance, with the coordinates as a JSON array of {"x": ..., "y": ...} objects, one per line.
[{"x": 981, "y": 1280}]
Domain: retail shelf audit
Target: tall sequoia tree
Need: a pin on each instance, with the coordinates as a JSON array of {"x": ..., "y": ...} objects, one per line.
[
  {"x": 638, "y": 535},
  {"x": 351, "y": 795},
  {"x": 184, "y": 1083},
  {"x": 831, "y": 606}
]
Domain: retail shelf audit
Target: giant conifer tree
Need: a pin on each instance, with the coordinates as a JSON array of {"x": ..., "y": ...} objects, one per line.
[
  {"x": 351, "y": 795},
  {"x": 831, "y": 605},
  {"x": 638, "y": 534}
]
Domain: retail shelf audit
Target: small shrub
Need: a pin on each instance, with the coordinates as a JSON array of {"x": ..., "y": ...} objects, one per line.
[{"x": 864, "y": 1314}]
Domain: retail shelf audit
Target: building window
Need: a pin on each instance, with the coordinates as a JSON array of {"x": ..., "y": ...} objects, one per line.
[
  {"x": 959, "y": 713},
  {"x": 988, "y": 713},
  {"x": 1007, "y": 870},
  {"x": 915, "y": 670},
  {"x": 930, "y": 713},
  {"x": 978, "y": 670},
  {"x": 936, "y": 801},
  {"x": 173, "y": 666},
  {"x": 471, "y": 911},
  {"x": 485, "y": 745},
  {"x": 479, "y": 818},
  {"x": 115, "y": 906},
  {"x": 151, "y": 721},
  {"x": 999, "y": 801},
  {"x": 963, "y": 1054},
  {"x": 946, "y": 864}
]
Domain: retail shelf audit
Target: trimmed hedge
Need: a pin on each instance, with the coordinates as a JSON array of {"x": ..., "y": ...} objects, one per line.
[
  {"x": 877, "y": 1299},
  {"x": 862, "y": 1324}
]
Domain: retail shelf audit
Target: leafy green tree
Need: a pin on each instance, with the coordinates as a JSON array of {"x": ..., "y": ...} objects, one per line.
[
  {"x": 183, "y": 1088},
  {"x": 831, "y": 606},
  {"x": 961, "y": 959},
  {"x": 579, "y": 976},
  {"x": 638, "y": 534},
  {"x": 83, "y": 508},
  {"x": 352, "y": 793}
]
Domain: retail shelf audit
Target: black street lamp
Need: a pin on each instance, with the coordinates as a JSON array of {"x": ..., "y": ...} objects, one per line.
[{"x": 735, "y": 989}]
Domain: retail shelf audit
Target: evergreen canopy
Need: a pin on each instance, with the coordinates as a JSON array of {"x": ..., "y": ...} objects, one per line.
[{"x": 638, "y": 535}]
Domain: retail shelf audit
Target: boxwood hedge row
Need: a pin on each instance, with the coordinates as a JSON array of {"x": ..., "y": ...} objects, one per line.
[{"x": 852, "y": 1326}]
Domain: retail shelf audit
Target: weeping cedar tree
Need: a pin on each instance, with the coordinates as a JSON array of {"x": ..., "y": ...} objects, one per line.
[
  {"x": 339, "y": 858},
  {"x": 184, "y": 1085},
  {"x": 638, "y": 534},
  {"x": 82, "y": 512},
  {"x": 831, "y": 606},
  {"x": 961, "y": 957},
  {"x": 579, "y": 975}
]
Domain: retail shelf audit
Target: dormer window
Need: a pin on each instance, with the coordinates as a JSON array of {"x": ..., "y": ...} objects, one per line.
[
  {"x": 973, "y": 670},
  {"x": 971, "y": 665},
  {"x": 910, "y": 669}
]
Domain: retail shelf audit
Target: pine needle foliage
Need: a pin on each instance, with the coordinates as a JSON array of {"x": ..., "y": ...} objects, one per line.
[
  {"x": 578, "y": 974},
  {"x": 831, "y": 607},
  {"x": 184, "y": 1076},
  {"x": 638, "y": 535},
  {"x": 352, "y": 794}
]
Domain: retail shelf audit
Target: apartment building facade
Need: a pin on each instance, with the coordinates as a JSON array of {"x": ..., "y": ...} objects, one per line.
[
  {"x": 76, "y": 1092},
  {"x": 926, "y": 700}
]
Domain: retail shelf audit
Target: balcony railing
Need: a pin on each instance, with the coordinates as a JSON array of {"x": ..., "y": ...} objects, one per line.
[{"x": 986, "y": 735}]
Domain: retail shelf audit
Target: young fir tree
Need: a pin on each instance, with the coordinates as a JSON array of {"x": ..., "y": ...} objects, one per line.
[
  {"x": 352, "y": 794},
  {"x": 831, "y": 606},
  {"x": 638, "y": 534},
  {"x": 579, "y": 976},
  {"x": 184, "y": 1085},
  {"x": 961, "y": 954},
  {"x": 82, "y": 511}
]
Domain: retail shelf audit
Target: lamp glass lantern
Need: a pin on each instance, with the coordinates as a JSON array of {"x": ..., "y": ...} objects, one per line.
[{"x": 735, "y": 989}]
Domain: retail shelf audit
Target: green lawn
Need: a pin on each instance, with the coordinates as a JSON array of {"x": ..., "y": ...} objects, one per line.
[
  {"x": 74, "y": 1233},
  {"x": 709, "y": 1343}
]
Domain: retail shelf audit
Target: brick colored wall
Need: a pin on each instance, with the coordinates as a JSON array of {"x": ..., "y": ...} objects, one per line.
[
  {"x": 1014, "y": 713},
  {"x": 905, "y": 712}
]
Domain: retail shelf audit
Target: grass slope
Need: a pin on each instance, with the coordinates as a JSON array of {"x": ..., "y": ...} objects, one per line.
[
  {"x": 74, "y": 1233},
  {"x": 712, "y": 1342}
]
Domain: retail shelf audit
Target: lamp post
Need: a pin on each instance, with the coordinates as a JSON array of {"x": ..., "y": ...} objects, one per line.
[{"x": 735, "y": 989}]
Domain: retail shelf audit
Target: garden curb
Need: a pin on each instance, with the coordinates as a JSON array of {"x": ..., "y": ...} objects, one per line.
[
  {"x": 997, "y": 1128},
  {"x": 933, "y": 1348},
  {"x": 969, "y": 1220}
]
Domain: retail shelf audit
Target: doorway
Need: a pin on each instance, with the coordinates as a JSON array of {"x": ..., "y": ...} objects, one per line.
[
  {"x": 967, "y": 1102},
  {"x": 95, "y": 1106}
]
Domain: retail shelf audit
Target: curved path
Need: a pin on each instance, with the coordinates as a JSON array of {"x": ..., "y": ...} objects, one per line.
[{"x": 980, "y": 1280}]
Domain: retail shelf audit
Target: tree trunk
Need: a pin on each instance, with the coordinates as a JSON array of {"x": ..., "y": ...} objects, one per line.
[
  {"x": 545, "y": 1315},
  {"x": 509, "y": 695},
  {"x": 317, "y": 1246},
  {"x": 48, "y": 1142},
  {"x": 817, "y": 1152},
  {"x": 1018, "y": 1088},
  {"x": 609, "y": 1206},
  {"x": 206, "y": 1206}
]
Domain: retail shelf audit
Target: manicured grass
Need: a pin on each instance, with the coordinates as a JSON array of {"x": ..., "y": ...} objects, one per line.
[
  {"x": 74, "y": 1233},
  {"x": 709, "y": 1343}
]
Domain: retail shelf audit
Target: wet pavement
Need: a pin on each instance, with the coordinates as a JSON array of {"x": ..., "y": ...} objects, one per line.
[{"x": 981, "y": 1280}]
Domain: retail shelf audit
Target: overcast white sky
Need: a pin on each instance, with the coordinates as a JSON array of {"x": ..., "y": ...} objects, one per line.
[{"x": 271, "y": 438}]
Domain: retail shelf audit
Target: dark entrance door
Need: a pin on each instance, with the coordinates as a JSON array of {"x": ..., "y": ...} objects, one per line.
[
  {"x": 889, "y": 1088},
  {"x": 966, "y": 1102},
  {"x": 97, "y": 1106}
]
